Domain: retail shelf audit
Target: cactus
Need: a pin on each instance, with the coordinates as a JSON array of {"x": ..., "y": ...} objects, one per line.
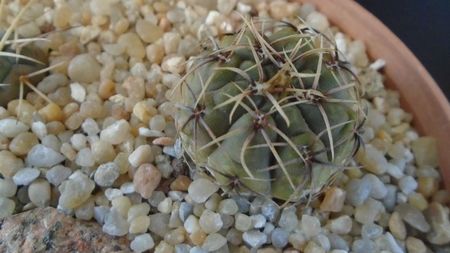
[
  {"x": 22, "y": 63},
  {"x": 270, "y": 113}
]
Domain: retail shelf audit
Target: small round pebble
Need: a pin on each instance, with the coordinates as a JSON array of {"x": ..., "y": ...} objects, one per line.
[
  {"x": 57, "y": 174},
  {"x": 84, "y": 68},
  {"x": 214, "y": 242},
  {"x": 115, "y": 224},
  {"x": 142, "y": 243},
  {"x": 228, "y": 206},
  {"x": 26, "y": 176},
  {"x": 42, "y": 156},
  {"x": 201, "y": 189},
  {"x": 146, "y": 179},
  {"x": 106, "y": 174},
  {"x": 243, "y": 222},
  {"x": 210, "y": 222},
  {"x": 7, "y": 187},
  {"x": 279, "y": 238},
  {"x": 254, "y": 238},
  {"x": 39, "y": 193},
  {"x": 6, "y": 207}
]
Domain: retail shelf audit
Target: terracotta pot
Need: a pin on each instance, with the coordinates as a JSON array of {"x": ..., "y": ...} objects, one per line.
[{"x": 419, "y": 93}]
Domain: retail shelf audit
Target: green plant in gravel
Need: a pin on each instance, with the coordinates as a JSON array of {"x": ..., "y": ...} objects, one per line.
[
  {"x": 270, "y": 113},
  {"x": 22, "y": 62}
]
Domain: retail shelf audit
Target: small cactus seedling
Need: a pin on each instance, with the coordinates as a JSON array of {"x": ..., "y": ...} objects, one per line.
[{"x": 270, "y": 113}]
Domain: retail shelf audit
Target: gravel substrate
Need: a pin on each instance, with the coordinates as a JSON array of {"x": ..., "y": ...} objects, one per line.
[{"x": 106, "y": 148}]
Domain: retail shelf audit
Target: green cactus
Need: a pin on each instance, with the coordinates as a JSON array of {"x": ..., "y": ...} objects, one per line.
[
  {"x": 14, "y": 65},
  {"x": 274, "y": 114},
  {"x": 18, "y": 59}
]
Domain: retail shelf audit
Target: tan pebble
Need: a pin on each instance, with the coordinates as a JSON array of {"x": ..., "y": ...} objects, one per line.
[
  {"x": 106, "y": 89},
  {"x": 84, "y": 68},
  {"x": 103, "y": 151},
  {"x": 442, "y": 197},
  {"x": 9, "y": 164},
  {"x": 52, "y": 112},
  {"x": 55, "y": 127},
  {"x": 197, "y": 237},
  {"x": 418, "y": 200},
  {"x": 70, "y": 109},
  {"x": 147, "y": 31},
  {"x": 135, "y": 87},
  {"x": 68, "y": 151},
  {"x": 121, "y": 204},
  {"x": 164, "y": 24},
  {"x": 121, "y": 26},
  {"x": 146, "y": 179},
  {"x": 74, "y": 121},
  {"x": 132, "y": 44},
  {"x": 163, "y": 141},
  {"x": 92, "y": 109},
  {"x": 397, "y": 227},
  {"x": 142, "y": 112},
  {"x": 161, "y": 6},
  {"x": 155, "y": 53},
  {"x": 334, "y": 200},
  {"x": 139, "y": 224},
  {"x": 181, "y": 183},
  {"x": 175, "y": 236},
  {"x": 39, "y": 193},
  {"x": 427, "y": 186},
  {"x": 61, "y": 16},
  {"x": 26, "y": 110},
  {"x": 354, "y": 173},
  {"x": 164, "y": 247},
  {"x": 22, "y": 143},
  {"x": 414, "y": 245},
  {"x": 122, "y": 161}
]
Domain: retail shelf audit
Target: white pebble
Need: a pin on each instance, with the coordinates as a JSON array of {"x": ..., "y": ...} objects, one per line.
[
  {"x": 11, "y": 127},
  {"x": 165, "y": 206},
  {"x": 85, "y": 158},
  {"x": 42, "y": 156},
  {"x": 116, "y": 133},
  {"x": 254, "y": 238},
  {"x": 201, "y": 189},
  {"x": 142, "y": 154},
  {"x": 26, "y": 176},
  {"x": 310, "y": 225},
  {"x": 191, "y": 224},
  {"x": 77, "y": 92},
  {"x": 243, "y": 222},
  {"x": 142, "y": 243},
  {"x": 90, "y": 127},
  {"x": 57, "y": 174},
  {"x": 106, "y": 174},
  {"x": 210, "y": 222},
  {"x": 407, "y": 184},
  {"x": 214, "y": 242},
  {"x": 115, "y": 224}
]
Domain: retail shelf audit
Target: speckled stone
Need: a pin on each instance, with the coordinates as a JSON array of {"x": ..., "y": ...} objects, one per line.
[{"x": 47, "y": 230}]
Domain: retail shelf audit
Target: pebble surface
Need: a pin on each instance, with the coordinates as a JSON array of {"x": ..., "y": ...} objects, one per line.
[{"x": 105, "y": 148}]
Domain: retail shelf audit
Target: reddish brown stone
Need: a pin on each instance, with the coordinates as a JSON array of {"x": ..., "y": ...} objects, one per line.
[{"x": 47, "y": 230}]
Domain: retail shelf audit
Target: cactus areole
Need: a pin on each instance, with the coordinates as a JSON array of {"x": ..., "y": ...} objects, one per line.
[{"x": 270, "y": 110}]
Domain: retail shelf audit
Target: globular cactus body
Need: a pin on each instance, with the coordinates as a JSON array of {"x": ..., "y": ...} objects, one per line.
[
  {"x": 16, "y": 62},
  {"x": 273, "y": 113}
]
